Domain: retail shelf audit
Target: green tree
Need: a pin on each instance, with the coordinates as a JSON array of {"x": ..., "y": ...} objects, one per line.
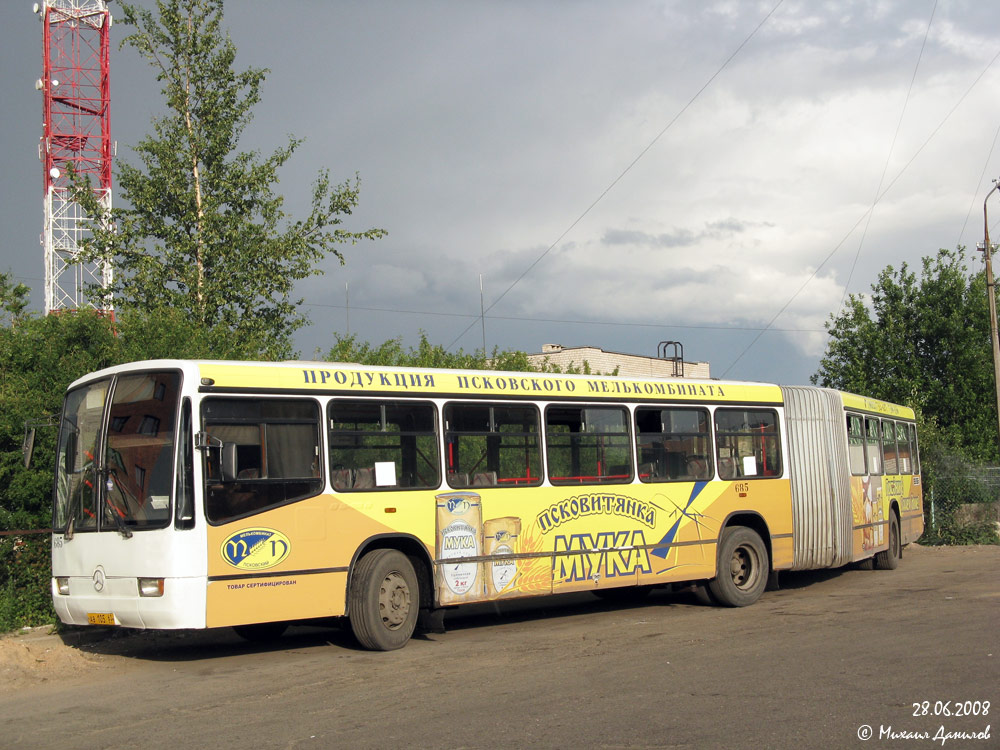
[
  {"x": 392, "y": 353},
  {"x": 13, "y": 297},
  {"x": 203, "y": 231},
  {"x": 39, "y": 358},
  {"x": 923, "y": 341},
  {"x": 42, "y": 355}
]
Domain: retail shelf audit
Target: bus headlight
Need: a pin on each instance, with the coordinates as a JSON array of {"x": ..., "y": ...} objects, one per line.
[
  {"x": 150, "y": 586},
  {"x": 62, "y": 586}
]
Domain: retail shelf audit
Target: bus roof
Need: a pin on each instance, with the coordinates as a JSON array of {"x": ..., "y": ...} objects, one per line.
[
  {"x": 361, "y": 379},
  {"x": 344, "y": 377},
  {"x": 875, "y": 406}
]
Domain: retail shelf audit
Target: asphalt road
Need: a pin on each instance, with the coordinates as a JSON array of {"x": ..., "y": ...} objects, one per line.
[{"x": 809, "y": 666}]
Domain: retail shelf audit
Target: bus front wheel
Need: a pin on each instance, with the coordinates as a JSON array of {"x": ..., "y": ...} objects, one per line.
[
  {"x": 384, "y": 600},
  {"x": 743, "y": 568}
]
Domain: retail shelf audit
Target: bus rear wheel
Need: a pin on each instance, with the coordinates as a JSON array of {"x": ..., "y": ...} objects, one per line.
[
  {"x": 889, "y": 559},
  {"x": 384, "y": 600},
  {"x": 743, "y": 568}
]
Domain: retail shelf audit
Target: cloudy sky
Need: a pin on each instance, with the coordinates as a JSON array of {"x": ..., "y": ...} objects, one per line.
[{"x": 620, "y": 173}]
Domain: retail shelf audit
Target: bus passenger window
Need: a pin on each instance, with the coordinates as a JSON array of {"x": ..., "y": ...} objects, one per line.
[
  {"x": 873, "y": 446},
  {"x": 379, "y": 445},
  {"x": 492, "y": 445},
  {"x": 588, "y": 445},
  {"x": 674, "y": 444},
  {"x": 914, "y": 453},
  {"x": 889, "y": 447},
  {"x": 903, "y": 449},
  {"x": 748, "y": 443},
  {"x": 856, "y": 444},
  {"x": 263, "y": 453}
]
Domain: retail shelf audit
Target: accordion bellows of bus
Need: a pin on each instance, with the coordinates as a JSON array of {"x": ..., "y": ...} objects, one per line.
[{"x": 200, "y": 494}]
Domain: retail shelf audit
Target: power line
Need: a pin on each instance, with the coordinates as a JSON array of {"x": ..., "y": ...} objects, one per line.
[
  {"x": 567, "y": 321},
  {"x": 625, "y": 171},
  {"x": 888, "y": 157},
  {"x": 864, "y": 215}
]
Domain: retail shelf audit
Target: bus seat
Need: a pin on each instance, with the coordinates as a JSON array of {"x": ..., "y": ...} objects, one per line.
[
  {"x": 485, "y": 479},
  {"x": 341, "y": 479},
  {"x": 697, "y": 467},
  {"x": 458, "y": 479},
  {"x": 364, "y": 478}
]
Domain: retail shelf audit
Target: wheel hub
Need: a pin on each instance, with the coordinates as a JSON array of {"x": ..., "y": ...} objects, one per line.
[
  {"x": 394, "y": 600},
  {"x": 742, "y": 567}
]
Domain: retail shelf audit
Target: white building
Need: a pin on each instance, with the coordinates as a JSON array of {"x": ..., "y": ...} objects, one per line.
[{"x": 600, "y": 361}]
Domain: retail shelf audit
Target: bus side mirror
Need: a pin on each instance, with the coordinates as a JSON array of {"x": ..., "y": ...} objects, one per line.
[
  {"x": 28, "y": 446},
  {"x": 229, "y": 462},
  {"x": 215, "y": 468}
]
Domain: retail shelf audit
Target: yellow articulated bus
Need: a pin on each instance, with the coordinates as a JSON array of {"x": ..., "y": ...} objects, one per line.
[{"x": 194, "y": 494}]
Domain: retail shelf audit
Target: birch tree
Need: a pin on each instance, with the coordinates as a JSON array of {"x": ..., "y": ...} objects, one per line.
[{"x": 202, "y": 229}]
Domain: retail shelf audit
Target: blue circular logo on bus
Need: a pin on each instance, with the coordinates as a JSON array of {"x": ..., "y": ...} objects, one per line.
[{"x": 255, "y": 549}]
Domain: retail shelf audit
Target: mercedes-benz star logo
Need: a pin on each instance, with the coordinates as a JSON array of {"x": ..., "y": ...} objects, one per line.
[{"x": 99, "y": 579}]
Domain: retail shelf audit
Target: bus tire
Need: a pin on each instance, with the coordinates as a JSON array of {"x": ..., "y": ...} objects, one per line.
[
  {"x": 261, "y": 632},
  {"x": 384, "y": 600},
  {"x": 743, "y": 567},
  {"x": 889, "y": 559}
]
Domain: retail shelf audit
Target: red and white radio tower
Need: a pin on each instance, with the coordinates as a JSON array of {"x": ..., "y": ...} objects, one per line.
[{"x": 75, "y": 85}]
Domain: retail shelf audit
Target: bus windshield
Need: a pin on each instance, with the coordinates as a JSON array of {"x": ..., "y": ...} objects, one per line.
[{"x": 123, "y": 477}]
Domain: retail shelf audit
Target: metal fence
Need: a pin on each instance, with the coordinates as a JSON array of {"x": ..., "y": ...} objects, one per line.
[{"x": 962, "y": 502}]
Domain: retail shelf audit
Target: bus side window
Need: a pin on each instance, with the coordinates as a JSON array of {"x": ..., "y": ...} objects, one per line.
[
  {"x": 856, "y": 444},
  {"x": 588, "y": 445},
  {"x": 748, "y": 443},
  {"x": 492, "y": 445},
  {"x": 889, "y": 447},
  {"x": 903, "y": 449},
  {"x": 268, "y": 451},
  {"x": 873, "y": 446},
  {"x": 674, "y": 444},
  {"x": 383, "y": 444},
  {"x": 914, "y": 453}
]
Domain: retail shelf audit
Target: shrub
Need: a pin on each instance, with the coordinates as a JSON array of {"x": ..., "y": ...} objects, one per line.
[{"x": 25, "y": 594}]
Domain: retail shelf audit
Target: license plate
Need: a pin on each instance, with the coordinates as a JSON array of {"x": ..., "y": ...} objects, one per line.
[{"x": 101, "y": 618}]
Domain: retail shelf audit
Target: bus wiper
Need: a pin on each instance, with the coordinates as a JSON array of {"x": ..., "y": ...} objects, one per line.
[{"x": 113, "y": 512}]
